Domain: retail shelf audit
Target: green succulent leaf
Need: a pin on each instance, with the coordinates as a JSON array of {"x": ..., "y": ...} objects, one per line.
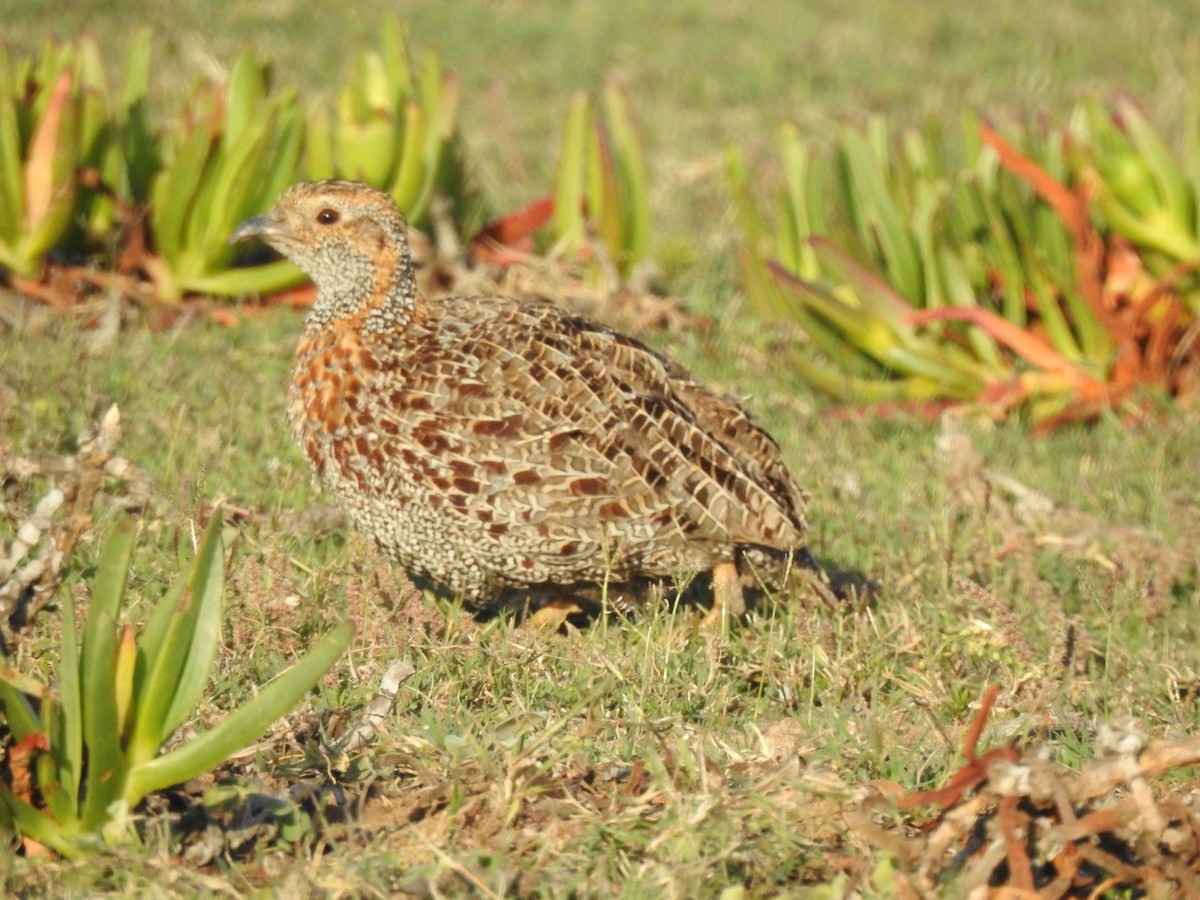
[
  {"x": 245, "y": 724},
  {"x": 318, "y": 144},
  {"x": 268, "y": 278},
  {"x": 19, "y": 712},
  {"x": 634, "y": 190},
  {"x": 106, "y": 766},
  {"x": 397, "y": 73},
  {"x": 1170, "y": 182},
  {"x": 12, "y": 193},
  {"x": 877, "y": 216},
  {"x": 178, "y": 650},
  {"x": 569, "y": 226},
  {"x": 173, "y": 190},
  {"x": 66, "y": 743},
  {"x": 410, "y": 174},
  {"x": 601, "y": 200},
  {"x": 42, "y": 827},
  {"x": 799, "y": 218},
  {"x": 245, "y": 93},
  {"x": 158, "y": 677}
]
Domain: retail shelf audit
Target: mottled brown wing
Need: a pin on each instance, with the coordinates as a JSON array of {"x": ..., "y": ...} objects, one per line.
[
  {"x": 723, "y": 418},
  {"x": 528, "y": 419}
]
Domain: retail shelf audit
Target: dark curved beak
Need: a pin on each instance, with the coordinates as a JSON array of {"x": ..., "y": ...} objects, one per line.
[{"x": 262, "y": 227}]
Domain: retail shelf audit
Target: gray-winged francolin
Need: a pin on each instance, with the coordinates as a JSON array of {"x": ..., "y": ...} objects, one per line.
[{"x": 488, "y": 443}]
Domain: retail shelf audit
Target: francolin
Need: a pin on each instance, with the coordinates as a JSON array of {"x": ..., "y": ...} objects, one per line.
[{"x": 490, "y": 444}]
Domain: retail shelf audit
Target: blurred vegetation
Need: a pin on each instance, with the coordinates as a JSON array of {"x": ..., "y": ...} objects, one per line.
[
  {"x": 1054, "y": 275},
  {"x": 1051, "y": 276}
]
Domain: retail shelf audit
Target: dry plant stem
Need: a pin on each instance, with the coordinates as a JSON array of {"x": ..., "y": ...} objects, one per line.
[
  {"x": 981, "y": 874},
  {"x": 26, "y": 591},
  {"x": 1012, "y": 824},
  {"x": 370, "y": 721},
  {"x": 955, "y": 825},
  {"x": 974, "y": 772},
  {"x": 1103, "y": 775},
  {"x": 29, "y": 534},
  {"x": 1041, "y": 822}
]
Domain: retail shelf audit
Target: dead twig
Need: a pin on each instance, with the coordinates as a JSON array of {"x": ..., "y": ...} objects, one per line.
[
  {"x": 1033, "y": 828},
  {"x": 56, "y": 524},
  {"x": 370, "y": 721}
]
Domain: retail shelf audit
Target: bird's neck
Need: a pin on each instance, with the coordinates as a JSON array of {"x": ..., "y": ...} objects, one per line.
[
  {"x": 394, "y": 302},
  {"x": 378, "y": 296}
]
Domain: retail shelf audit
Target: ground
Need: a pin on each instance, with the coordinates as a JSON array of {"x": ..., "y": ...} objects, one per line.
[{"x": 638, "y": 758}]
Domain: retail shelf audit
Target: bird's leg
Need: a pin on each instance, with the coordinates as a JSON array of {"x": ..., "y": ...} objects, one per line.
[{"x": 728, "y": 602}]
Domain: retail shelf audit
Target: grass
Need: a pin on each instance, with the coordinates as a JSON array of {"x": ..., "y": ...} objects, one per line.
[{"x": 635, "y": 758}]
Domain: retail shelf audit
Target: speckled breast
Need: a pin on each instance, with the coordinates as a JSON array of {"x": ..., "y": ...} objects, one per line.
[{"x": 425, "y": 495}]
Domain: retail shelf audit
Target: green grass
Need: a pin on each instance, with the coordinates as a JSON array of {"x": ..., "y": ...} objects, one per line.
[{"x": 636, "y": 759}]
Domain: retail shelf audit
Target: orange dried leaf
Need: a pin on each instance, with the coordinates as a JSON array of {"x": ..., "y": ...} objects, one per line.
[
  {"x": 1072, "y": 208},
  {"x": 512, "y": 231},
  {"x": 19, "y": 758},
  {"x": 226, "y": 318},
  {"x": 1033, "y": 349},
  {"x": 1047, "y": 187}
]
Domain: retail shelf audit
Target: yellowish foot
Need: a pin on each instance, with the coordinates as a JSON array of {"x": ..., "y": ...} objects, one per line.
[
  {"x": 728, "y": 602},
  {"x": 554, "y": 613}
]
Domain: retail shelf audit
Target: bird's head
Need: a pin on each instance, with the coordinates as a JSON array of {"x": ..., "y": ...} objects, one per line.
[{"x": 348, "y": 237}]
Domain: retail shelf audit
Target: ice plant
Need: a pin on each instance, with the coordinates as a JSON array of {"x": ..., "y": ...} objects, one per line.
[
  {"x": 395, "y": 129},
  {"x": 40, "y": 121},
  {"x": 236, "y": 148},
  {"x": 1055, "y": 279},
  {"x": 601, "y": 184},
  {"x": 91, "y": 745}
]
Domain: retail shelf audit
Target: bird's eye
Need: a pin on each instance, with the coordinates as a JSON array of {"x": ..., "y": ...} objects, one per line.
[{"x": 328, "y": 216}]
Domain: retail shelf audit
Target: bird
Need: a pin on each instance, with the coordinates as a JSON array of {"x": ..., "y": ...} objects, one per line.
[{"x": 490, "y": 444}]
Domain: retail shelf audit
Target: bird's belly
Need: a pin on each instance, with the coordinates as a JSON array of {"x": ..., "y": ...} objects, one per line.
[{"x": 432, "y": 538}]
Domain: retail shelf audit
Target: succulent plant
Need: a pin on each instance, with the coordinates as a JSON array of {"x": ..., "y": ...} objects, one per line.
[
  {"x": 234, "y": 151},
  {"x": 914, "y": 276},
  {"x": 395, "y": 128},
  {"x": 601, "y": 186},
  {"x": 41, "y": 119},
  {"x": 92, "y": 744}
]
